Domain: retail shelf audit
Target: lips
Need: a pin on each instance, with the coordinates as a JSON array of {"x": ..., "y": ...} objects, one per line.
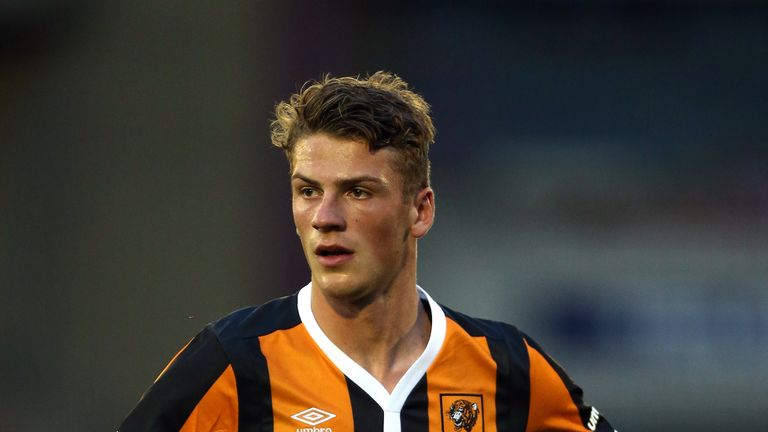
[{"x": 333, "y": 255}]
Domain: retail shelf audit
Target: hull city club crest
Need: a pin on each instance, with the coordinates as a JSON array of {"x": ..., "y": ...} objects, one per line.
[{"x": 462, "y": 412}]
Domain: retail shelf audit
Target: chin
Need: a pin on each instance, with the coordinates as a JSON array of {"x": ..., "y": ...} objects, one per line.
[
  {"x": 336, "y": 286},
  {"x": 341, "y": 287}
]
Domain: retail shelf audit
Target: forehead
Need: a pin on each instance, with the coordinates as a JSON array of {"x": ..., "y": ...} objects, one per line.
[{"x": 326, "y": 155}]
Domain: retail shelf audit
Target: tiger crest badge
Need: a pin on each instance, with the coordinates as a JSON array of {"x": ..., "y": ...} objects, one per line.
[{"x": 463, "y": 414}]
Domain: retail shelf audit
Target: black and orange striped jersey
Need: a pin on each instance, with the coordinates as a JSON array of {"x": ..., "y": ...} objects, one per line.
[{"x": 272, "y": 369}]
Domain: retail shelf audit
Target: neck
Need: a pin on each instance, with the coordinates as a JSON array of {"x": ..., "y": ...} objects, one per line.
[{"x": 384, "y": 334}]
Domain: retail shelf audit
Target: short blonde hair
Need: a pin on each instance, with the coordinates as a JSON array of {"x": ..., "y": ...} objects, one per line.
[{"x": 380, "y": 110}]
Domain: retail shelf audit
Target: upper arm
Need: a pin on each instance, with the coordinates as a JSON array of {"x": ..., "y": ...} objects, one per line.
[
  {"x": 556, "y": 403},
  {"x": 195, "y": 392}
]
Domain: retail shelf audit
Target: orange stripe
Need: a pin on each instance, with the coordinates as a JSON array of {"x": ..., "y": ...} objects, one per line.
[
  {"x": 302, "y": 377},
  {"x": 217, "y": 410},
  {"x": 551, "y": 405},
  {"x": 464, "y": 366}
]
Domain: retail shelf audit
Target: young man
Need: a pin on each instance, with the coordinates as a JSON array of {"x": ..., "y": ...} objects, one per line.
[{"x": 361, "y": 347}]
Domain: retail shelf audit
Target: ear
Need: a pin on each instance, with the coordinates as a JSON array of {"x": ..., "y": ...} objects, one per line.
[{"x": 422, "y": 212}]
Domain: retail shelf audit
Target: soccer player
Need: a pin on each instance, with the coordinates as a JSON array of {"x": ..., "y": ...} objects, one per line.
[{"x": 361, "y": 347}]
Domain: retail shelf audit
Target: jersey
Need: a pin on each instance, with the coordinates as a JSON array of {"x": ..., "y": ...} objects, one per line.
[{"x": 272, "y": 369}]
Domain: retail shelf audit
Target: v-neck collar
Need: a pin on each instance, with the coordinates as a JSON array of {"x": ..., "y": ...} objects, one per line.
[{"x": 389, "y": 402}]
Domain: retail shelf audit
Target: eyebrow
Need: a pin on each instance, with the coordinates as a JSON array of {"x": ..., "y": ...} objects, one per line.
[{"x": 341, "y": 182}]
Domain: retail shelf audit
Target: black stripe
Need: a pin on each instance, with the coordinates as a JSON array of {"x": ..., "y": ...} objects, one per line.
[
  {"x": 253, "y": 388},
  {"x": 367, "y": 414},
  {"x": 239, "y": 333},
  {"x": 169, "y": 401},
  {"x": 513, "y": 388},
  {"x": 414, "y": 417}
]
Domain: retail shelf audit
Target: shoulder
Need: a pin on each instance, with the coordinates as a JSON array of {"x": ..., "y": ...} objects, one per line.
[
  {"x": 220, "y": 361},
  {"x": 219, "y": 343},
  {"x": 490, "y": 329},
  {"x": 255, "y": 321},
  {"x": 524, "y": 368},
  {"x": 507, "y": 344}
]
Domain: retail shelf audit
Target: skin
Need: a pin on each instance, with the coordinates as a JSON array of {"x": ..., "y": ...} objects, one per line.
[{"x": 348, "y": 204}]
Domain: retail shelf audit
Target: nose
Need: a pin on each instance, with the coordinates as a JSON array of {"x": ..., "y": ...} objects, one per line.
[{"x": 329, "y": 215}]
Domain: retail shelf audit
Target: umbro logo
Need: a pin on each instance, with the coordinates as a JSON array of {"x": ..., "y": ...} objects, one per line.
[{"x": 313, "y": 417}]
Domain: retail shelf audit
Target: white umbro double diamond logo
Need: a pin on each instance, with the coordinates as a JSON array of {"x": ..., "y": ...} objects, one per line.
[{"x": 313, "y": 416}]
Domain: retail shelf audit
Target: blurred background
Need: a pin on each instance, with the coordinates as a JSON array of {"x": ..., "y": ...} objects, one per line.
[{"x": 601, "y": 172}]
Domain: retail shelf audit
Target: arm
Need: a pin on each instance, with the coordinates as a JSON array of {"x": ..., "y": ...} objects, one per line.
[
  {"x": 195, "y": 393},
  {"x": 556, "y": 403}
]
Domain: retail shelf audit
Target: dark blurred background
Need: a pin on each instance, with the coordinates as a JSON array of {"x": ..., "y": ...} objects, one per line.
[{"x": 601, "y": 174}]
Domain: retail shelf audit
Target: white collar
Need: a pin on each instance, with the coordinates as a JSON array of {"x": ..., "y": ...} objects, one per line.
[{"x": 392, "y": 402}]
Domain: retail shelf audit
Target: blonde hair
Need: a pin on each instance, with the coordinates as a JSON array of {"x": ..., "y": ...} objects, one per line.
[{"x": 380, "y": 110}]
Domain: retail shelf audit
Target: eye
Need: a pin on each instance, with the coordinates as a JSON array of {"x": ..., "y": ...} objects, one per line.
[
  {"x": 307, "y": 192},
  {"x": 358, "y": 193}
]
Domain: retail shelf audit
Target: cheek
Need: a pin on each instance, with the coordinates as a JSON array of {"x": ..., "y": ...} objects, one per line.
[
  {"x": 302, "y": 222},
  {"x": 386, "y": 236},
  {"x": 300, "y": 214}
]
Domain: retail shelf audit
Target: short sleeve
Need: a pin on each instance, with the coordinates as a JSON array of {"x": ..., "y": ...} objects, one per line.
[
  {"x": 556, "y": 403},
  {"x": 195, "y": 392}
]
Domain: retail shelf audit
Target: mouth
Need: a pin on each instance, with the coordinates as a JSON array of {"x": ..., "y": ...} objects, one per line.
[
  {"x": 333, "y": 255},
  {"x": 331, "y": 250}
]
